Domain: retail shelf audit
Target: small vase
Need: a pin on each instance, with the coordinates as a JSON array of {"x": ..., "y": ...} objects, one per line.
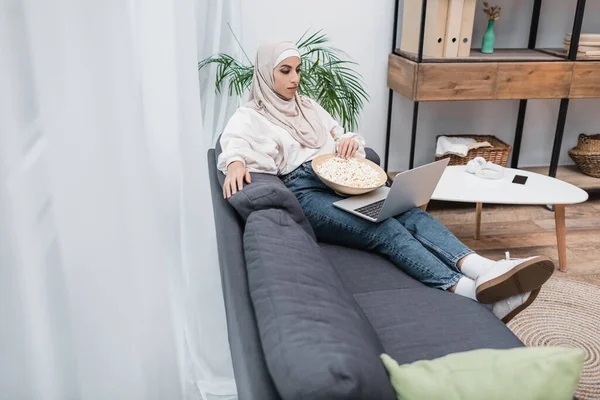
[{"x": 487, "y": 45}]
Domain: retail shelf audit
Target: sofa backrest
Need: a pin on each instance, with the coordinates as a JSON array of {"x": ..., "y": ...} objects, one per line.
[{"x": 252, "y": 377}]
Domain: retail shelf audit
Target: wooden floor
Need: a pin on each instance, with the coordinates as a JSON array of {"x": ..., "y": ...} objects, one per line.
[{"x": 529, "y": 230}]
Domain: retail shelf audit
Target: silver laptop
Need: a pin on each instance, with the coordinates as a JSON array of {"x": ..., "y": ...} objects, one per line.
[{"x": 410, "y": 189}]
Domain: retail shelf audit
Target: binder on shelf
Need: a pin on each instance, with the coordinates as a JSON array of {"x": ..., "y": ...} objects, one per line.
[
  {"x": 466, "y": 28},
  {"x": 453, "y": 25},
  {"x": 435, "y": 27}
]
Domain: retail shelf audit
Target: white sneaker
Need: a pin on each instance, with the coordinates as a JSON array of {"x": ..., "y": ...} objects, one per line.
[
  {"x": 511, "y": 277},
  {"x": 507, "y": 309}
]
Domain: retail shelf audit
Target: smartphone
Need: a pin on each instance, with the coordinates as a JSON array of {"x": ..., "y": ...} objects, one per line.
[{"x": 520, "y": 179}]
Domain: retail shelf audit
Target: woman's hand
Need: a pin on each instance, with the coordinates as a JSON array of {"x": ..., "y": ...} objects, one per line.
[
  {"x": 347, "y": 147},
  {"x": 234, "y": 180}
]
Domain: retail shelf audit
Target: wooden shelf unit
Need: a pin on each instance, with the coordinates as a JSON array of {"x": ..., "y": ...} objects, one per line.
[
  {"x": 507, "y": 80},
  {"x": 506, "y": 74},
  {"x": 585, "y": 82}
]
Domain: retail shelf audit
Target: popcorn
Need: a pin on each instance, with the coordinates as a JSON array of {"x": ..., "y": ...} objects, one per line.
[{"x": 349, "y": 172}]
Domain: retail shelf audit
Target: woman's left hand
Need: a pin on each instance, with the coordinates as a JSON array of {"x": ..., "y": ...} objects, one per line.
[{"x": 347, "y": 147}]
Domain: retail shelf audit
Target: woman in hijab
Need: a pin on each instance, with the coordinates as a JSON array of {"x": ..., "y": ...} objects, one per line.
[{"x": 279, "y": 132}]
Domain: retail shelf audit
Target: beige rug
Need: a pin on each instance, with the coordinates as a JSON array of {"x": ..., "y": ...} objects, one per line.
[
  {"x": 566, "y": 313},
  {"x": 592, "y": 279}
]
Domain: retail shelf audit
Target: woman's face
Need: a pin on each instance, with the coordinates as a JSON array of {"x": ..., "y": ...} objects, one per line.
[{"x": 287, "y": 77}]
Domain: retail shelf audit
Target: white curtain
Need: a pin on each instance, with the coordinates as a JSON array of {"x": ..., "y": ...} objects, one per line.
[
  {"x": 219, "y": 26},
  {"x": 109, "y": 283}
]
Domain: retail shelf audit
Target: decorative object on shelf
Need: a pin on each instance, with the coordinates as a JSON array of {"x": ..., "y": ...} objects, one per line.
[
  {"x": 459, "y": 146},
  {"x": 493, "y": 13},
  {"x": 586, "y": 154},
  {"x": 498, "y": 153},
  {"x": 327, "y": 77},
  {"x": 589, "y": 45}
]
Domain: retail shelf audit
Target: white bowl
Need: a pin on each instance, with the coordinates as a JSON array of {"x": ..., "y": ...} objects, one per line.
[{"x": 348, "y": 190}]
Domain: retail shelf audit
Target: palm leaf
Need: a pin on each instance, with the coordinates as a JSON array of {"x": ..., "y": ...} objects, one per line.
[
  {"x": 328, "y": 77},
  {"x": 228, "y": 69}
]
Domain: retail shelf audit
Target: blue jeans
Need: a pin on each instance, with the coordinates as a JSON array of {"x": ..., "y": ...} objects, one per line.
[{"x": 414, "y": 241}]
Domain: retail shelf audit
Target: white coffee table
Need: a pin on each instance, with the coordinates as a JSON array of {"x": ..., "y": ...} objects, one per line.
[{"x": 458, "y": 185}]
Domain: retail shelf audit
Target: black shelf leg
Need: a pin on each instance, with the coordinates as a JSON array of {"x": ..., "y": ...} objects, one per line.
[
  {"x": 415, "y": 120},
  {"x": 391, "y": 95},
  {"x": 533, "y": 31},
  {"x": 577, "y": 23},
  {"x": 518, "y": 134},
  {"x": 558, "y": 136},
  {"x": 564, "y": 103},
  {"x": 535, "y": 21},
  {"x": 388, "y": 131},
  {"x": 422, "y": 30},
  {"x": 413, "y": 135}
]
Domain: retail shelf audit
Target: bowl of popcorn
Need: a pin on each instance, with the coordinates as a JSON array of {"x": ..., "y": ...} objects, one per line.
[{"x": 351, "y": 176}]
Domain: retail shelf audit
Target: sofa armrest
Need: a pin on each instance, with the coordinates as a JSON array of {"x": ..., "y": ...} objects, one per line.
[
  {"x": 371, "y": 155},
  {"x": 251, "y": 374}
]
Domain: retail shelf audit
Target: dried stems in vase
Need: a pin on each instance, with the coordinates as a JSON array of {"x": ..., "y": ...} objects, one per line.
[{"x": 493, "y": 12}]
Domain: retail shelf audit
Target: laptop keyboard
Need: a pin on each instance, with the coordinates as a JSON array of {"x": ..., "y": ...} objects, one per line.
[{"x": 371, "y": 210}]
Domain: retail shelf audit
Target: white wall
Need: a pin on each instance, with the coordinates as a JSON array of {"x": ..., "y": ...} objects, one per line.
[{"x": 364, "y": 28}]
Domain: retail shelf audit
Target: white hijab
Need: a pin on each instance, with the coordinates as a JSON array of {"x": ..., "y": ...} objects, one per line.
[{"x": 298, "y": 116}]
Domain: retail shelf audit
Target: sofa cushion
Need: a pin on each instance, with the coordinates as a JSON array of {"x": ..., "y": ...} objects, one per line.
[
  {"x": 414, "y": 321},
  {"x": 424, "y": 323},
  {"x": 317, "y": 342},
  {"x": 549, "y": 373},
  {"x": 362, "y": 271}
]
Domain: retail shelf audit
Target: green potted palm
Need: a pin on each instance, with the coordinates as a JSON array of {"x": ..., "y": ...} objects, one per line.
[{"x": 328, "y": 77}]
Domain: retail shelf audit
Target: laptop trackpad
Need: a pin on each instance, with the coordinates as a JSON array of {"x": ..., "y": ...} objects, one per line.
[{"x": 354, "y": 202}]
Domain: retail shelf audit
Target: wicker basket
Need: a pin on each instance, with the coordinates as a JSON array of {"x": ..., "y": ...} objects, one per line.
[
  {"x": 587, "y": 154},
  {"x": 498, "y": 153}
]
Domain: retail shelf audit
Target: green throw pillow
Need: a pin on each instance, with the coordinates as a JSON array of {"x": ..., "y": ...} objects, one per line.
[{"x": 548, "y": 373}]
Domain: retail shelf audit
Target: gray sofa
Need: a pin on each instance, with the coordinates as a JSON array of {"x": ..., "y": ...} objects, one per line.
[{"x": 308, "y": 320}]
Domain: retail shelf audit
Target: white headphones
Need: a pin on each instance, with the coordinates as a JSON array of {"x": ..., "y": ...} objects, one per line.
[{"x": 485, "y": 169}]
